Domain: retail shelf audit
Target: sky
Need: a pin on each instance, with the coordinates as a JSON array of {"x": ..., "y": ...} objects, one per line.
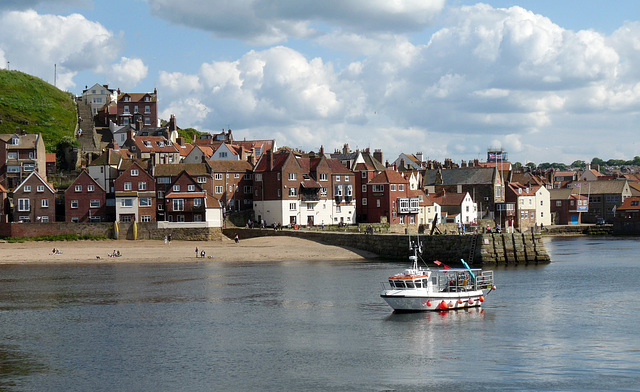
[{"x": 547, "y": 81}]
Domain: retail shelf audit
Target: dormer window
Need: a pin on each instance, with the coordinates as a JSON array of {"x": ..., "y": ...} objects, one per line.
[
  {"x": 134, "y": 172},
  {"x": 15, "y": 140},
  {"x": 147, "y": 143}
]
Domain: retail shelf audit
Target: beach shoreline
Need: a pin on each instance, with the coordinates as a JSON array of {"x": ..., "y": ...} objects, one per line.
[{"x": 156, "y": 251}]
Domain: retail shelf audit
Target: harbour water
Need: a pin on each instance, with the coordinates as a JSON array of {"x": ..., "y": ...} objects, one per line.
[{"x": 571, "y": 325}]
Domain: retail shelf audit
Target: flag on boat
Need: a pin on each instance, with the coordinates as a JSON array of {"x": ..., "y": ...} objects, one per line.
[{"x": 438, "y": 262}]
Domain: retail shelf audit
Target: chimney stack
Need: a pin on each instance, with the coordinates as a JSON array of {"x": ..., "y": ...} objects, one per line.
[{"x": 377, "y": 155}]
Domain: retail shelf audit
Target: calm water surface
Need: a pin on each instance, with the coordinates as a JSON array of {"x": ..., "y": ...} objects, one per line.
[{"x": 303, "y": 326}]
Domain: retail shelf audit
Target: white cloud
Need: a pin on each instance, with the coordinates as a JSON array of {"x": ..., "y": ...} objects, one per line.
[
  {"x": 33, "y": 43},
  {"x": 127, "y": 73}
]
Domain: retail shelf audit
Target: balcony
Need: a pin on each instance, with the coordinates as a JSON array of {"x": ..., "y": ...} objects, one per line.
[{"x": 310, "y": 198}]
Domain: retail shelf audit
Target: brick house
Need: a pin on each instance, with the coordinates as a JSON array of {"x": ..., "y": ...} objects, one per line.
[
  {"x": 185, "y": 200},
  {"x": 85, "y": 200},
  {"x": 165, "y": 175},
  {"x": 34, "y": 200},
  {"x": 388, "y": 200},
  {"x": 291, "y": 189},
  {"x": 158, "y": 149},
  {"x": 132, "y": 107},
  {"x": 604, "y": 198},
  {"x": 523, "y": 197},
  {"x": 567, "y": 206},
  {"x": 135, "y": 195},
  {"x": 627, "y": 219},
  {"x": 20, "y": 155},
  {"x": 4, "y": 205},
  {"x": 232, "y": 184}
]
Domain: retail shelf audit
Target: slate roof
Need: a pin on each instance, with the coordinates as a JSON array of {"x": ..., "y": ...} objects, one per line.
[
  {"x": 467, "y": 176},
  {"x": 232, "y": 166},
  {"x": 600, "y": 187},
  {"x": 193, "y": 169}
]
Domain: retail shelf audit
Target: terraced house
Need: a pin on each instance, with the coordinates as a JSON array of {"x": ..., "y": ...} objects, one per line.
[{"x": 135, "y": 195}]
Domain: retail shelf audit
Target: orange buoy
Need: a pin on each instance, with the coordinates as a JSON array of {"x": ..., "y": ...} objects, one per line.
[
  {"x": 459, "y": 301},
  {"x": 494, "y": 288},
  {"x": 443, "y": 305},
  {"x": 429, "y": 303},
  {"x": 481, "y": 299},
  {"x": 471, "y": 301}
]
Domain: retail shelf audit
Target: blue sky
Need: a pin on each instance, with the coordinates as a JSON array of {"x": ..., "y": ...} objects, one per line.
[{"x": 547, "y": 81}]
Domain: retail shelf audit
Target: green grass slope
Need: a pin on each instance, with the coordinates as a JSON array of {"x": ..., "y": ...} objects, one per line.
[{"x": 31, "y": 104}]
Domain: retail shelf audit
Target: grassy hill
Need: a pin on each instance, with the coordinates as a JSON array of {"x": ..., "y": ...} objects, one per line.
[{"x": 31, "y": 104}]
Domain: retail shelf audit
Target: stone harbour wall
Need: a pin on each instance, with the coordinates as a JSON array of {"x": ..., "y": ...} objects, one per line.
[{"x": 475, "y": 249}]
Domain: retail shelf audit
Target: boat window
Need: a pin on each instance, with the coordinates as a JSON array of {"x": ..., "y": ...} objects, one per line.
[
  {"x": 399, "y": 284},
  {"x": 391, "y": 283},
  {"x": 410, "y": 285},
  {"x": 419, "y": 284}
]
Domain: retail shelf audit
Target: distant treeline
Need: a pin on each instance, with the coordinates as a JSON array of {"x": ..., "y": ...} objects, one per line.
[{"x": 582, "y": 164}]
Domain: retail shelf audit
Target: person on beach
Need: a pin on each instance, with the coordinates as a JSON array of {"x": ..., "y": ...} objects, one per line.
[
  {"x": 203, "y": 254},
  {"x": 236, "y": 238},
  {"x": 196, "y": 252},
  {"x": 169, "y": 238},
  {"x": 165, "y": 239}
]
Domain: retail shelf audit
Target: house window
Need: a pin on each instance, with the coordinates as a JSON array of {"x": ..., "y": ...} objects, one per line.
[
  {"x": 197, "y": 218},
  {"x": 45, "y": 203},
  {"x": 364, "y": 188},
  {"x": 202, "y": 180},
  {"x": 74, "y": 203},
  {"x": 323, "y": 191},
  {"x": 164, "y": 180},
  {"x": 44, "y": 219},
  {"x": 248, "y": 189},
  {"x": 293, "y": 176},
  {"x": 160, "y": 207},
  {"x": 292, "y": 192},
  {"x": 142, "y": 186},
  {"x": 364, "y": 201},
  {"x": 309, "y": 206},
  {"x": 180, "y": 218},
  {"x": 13, "y": 169},
  {"x": 219, "y": 189},
  {"x": 126, "y": 107},
  {"x": 559, "y": 203},
  {"x": 338, "y": 209},
  {"x": 127, "y": 186},
  {"x": 248, "y": 176},
  {"x": 218, "y": 176},
  {"x": 197, "y": 202},
  {"x": 363, "y": 174},
  {"x": 28, "y": 167},
  {"x": 27, "y": 188},
  {"x": 78, "y": 188},
  {"x": 147, "y": 109},
  {"x": 40, "y": 188},
  {"x": 178, "y": 204},
  {"x": 126, "y": 202},
  {"x": 393, "y": 187},
  {"x": 292, "y": 206},
  {"x": 176, "y": 188},
  {"x": 401, "y": 187},
  {"x": 12, "y": 155},
  {"x": 339, "y": 190},
  {"x": 377, "y": 188},
  {"x": 15, "y": 141},
  {"x": 144, "y": 202},
  {"x": 125, "y": 218},
  {"x": 223, "y": 154},
  {"x": 91, "y": 188},
  {"x": 337, "y": 178},
  {"x": 160, "y": 195},
  {"x": 145, "y": 218},
  {"x": 378, "y": 203},
  {"x": 191, "y": 188},
  {"x": 324, "y": 177},
  {"x": 75, "y": 219},
  {"x": 236, "y": 175},
  {"x": 94, "y": 204},
  {"x": 134, "y": 172}
]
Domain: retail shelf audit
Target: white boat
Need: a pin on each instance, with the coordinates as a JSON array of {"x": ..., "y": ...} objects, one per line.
[{"x": 422, "y": 289}]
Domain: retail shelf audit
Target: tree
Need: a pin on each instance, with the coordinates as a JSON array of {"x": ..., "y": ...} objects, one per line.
[
  {"x": 65, "y": 158},
  {"x": 579, "y": 164}
]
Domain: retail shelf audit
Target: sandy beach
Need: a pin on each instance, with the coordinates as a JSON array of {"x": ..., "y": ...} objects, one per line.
[{"x": 253, "y": 249}]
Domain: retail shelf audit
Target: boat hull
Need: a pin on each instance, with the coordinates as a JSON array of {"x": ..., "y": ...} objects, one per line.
[{"x": 408, "y": 301}]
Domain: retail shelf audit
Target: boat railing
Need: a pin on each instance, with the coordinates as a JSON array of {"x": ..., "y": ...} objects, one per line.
[{"x": 463, "y": 280}]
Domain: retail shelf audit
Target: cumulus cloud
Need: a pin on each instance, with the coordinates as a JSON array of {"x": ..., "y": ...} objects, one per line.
[
  {"x": 268, "y": 22},
  {"x": 128, "y": 72},
  {"x": 33, "y": 43}
]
